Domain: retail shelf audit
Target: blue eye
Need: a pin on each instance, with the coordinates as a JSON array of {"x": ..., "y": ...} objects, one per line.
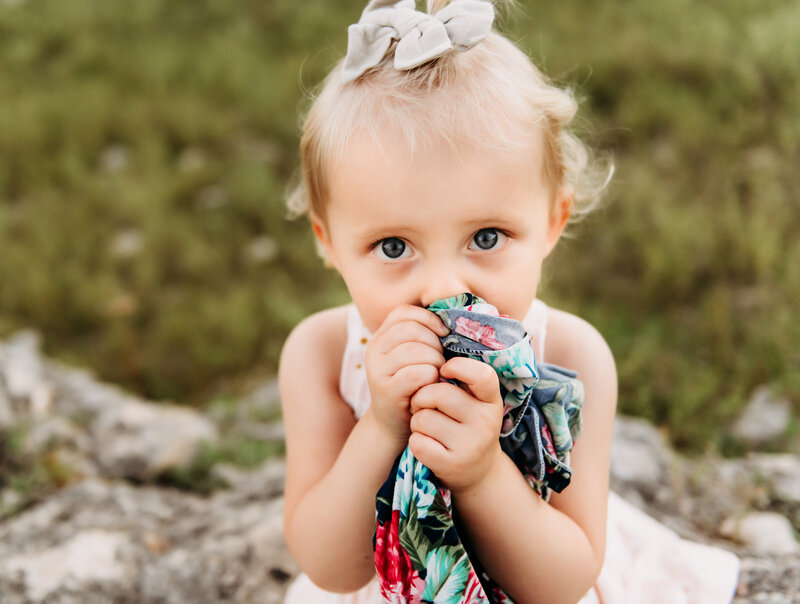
[
  {"x": 392, "y": 248},
  {"x": 486, "y": 239}
]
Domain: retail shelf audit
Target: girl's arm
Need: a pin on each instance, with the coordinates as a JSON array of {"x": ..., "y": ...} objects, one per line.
[
  {"x": 335, "y": 465},
  {"x": 540, "y": 552}
]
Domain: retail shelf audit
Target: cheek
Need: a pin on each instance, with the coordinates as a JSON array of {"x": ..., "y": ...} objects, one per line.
[
  {"x": 372, "y": 303},
  {"x": 515, "y": 287}
]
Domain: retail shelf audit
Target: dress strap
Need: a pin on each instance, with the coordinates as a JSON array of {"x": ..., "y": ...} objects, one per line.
[
  {"x": 535, "y": 323},
  {"x": 353, "y": 385}
]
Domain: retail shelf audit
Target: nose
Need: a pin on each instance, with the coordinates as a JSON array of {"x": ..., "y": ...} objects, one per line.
[{"x": 441, "y": 279}]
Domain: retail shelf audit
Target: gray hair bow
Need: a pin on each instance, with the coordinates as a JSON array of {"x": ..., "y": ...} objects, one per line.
[{"x": 421, "y": 37}]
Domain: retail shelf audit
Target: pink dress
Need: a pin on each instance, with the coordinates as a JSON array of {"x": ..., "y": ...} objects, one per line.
[{"x": 645, "y": 561}]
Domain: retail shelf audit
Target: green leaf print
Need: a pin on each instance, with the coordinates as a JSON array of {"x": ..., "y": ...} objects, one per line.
[
  {"x": 413, "y": 540},
  {"x": 448, "y": 572}
]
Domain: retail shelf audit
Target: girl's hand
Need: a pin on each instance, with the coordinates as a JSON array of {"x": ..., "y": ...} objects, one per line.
[
  {"x": 456, "y": 431},
  {"x": 403, "y": 355}
]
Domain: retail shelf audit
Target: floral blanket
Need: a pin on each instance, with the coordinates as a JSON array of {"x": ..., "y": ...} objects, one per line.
[{"x": 419, "y": 556}]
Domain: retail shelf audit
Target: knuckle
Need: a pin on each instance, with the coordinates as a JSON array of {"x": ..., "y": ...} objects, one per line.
[
  {"x": 422, "y": 374},
  {"x": 401, "y": 332},
  {"x": 487, "y": 371},
  {"x": 428, "y": 373}
]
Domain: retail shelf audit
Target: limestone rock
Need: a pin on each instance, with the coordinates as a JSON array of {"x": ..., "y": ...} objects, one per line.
[
  {"x": 139, "y": 440},
  {"x": 782, "y": 471},
  {"x": 772, "y": 580},
  {"x": 10, "y": 500},
  {"x": 23, "y": 373},
  {"x": 271, "y": 432},
  {"x": 764, "y": 533},
  {"x": 265, "y": 399},
  {"x": 154, "y": 545},
  {"x": 640, "y": 463},
  {"x": 79, "y": 393},
  {"x": 267, "y": 481},
  {"x": 55, "y": 431},
  {"x": 87, "y": 559},
  {"x": 765, "y": 419}
]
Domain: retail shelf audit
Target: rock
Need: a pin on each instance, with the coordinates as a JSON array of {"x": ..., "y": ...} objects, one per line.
[
  {"x": 764, "y": 533},
  {"x": 764, "y": 419},
  {"x": 770, "y": 579},
  {"x": 80, "y": 394},
  {"x": 72, "y": 466},
  {"x": 140, "y": 440},
  {"x": 10, "y": 500},
  {"x": 271, "y": 432},
  {"x": 161, "y": 545},
  {"x": 154, "y": 544},
  {"x": 781, "y": 471},
  {"x": 262, "y": 401},
  {"x": 640, "y": 463},
  {"x": 267, "y": 481},
  {"x": 88, "y": 559},
  {"x": 55, "y": 432},
  {"x": 23, "y": 372}
]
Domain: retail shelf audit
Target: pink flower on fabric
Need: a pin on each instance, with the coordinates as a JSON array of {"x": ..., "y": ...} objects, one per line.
[
  {"x": 445, "y": 493},
  {"x": 400, "y": 583},
  {"x": 477, "y": 331},
  {"x": 397, "y": 593},
  {"x": 547, "y": 441},
  {"x": 473, "y": 593},
  {"x": 501, "y": 597}
]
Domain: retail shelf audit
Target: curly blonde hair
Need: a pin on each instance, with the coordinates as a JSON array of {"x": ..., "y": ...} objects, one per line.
[{"x": 491, "y": 96}]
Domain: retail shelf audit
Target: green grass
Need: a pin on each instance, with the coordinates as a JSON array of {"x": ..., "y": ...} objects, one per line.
[
  {"x": 31, "y": 476},
  {"x": 167, "y": 131}
]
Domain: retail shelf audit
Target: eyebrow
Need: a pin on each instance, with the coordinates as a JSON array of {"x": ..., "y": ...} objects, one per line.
[{"x": 497, "y": 220}]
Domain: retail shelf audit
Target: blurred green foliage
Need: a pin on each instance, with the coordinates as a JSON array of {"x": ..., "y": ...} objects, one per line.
[
  {"x": 31, "y": 476},
  {"x": 145, "y": 150}
]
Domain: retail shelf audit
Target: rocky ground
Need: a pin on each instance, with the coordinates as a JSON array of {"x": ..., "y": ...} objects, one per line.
[{"x": 110, "y": 533}]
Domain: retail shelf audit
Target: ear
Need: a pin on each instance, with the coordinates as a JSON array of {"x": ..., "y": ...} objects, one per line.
[
  {"x": 323, "y": 240},
  {"x": 559, "y": 215}
]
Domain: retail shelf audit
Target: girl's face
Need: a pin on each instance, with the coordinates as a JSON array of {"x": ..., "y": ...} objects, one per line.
[{"x": 404, "y": 230}]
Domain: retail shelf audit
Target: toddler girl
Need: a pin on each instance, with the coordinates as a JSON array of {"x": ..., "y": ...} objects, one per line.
[{"x": 436, "y": 163}]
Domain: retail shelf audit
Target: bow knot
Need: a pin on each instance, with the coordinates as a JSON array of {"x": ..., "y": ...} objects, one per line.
[{"x": 420, "y": 37}]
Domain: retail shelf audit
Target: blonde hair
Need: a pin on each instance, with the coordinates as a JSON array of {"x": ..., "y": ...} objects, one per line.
[{"x": 491, "y": 96}]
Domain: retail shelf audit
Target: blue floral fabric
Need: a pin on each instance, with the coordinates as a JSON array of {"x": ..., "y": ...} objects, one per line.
[{"x": 419, "y": 555}]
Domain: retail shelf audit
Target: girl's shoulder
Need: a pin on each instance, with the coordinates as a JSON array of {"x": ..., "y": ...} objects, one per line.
[
  {"x": 315, "y": 346},
  {"x": 571, "y": 340},
  {"x": 576, "y": 344}
]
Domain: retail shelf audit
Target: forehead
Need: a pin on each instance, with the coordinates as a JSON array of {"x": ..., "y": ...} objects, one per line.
[{"x": 385, "y": 179}]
